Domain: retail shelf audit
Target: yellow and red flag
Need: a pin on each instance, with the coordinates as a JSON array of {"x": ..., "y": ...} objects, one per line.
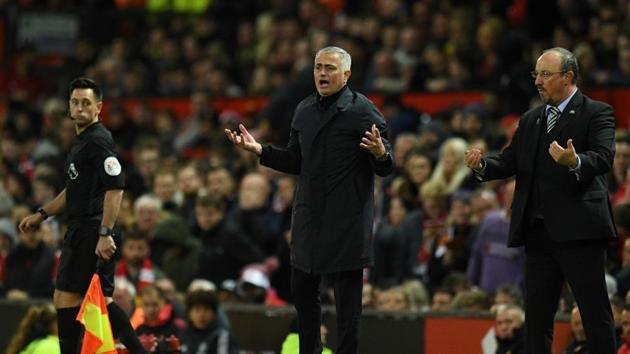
[{"x": 98, "y": 338}]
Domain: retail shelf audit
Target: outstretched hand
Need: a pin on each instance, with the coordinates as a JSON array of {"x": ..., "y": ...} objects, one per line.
[
  {"x": 472, "y": 159},
  {"x": 244, "y": 140},
  {"x": 564, "y": 157},
  {"x": 373, "y": 143}
]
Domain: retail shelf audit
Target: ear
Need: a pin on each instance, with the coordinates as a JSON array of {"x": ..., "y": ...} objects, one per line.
[
  {"x": 570, "y": 75},
  {"x": 346, "y": 76},
  {"x": 99, "y": 106}
]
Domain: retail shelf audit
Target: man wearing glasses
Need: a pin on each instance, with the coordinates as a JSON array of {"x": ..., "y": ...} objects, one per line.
[{"x": 560, "y": 155}]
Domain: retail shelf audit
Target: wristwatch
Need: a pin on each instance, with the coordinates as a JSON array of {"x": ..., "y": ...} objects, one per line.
[
  {"x": 43, "y": 213},
  {"x": 104, "y": 231}
]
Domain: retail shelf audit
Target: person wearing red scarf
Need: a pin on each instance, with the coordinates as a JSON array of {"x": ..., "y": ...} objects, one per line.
[{"x": 135, "y": 264}]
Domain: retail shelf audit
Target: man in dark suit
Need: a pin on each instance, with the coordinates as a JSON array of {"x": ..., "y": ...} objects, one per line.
[
  {"x": 561, "y": 211},
  {"x": 335, "y": 146}
]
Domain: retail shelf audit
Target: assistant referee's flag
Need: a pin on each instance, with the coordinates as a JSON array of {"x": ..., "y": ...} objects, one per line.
[{"x": 98, "y": 338}]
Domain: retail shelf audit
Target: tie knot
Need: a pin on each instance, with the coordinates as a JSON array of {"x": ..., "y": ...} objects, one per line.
[{"x": 553, "y": 111}]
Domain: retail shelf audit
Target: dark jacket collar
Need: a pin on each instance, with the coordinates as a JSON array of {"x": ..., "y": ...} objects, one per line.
[{"x": 324, "y": 102}]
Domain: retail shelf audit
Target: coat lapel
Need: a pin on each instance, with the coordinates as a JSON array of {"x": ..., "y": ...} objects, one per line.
[
  {"x": 344, "y": 100},
  {"x": 568, "y": 115},
  {"x": 535, "y": 126}
]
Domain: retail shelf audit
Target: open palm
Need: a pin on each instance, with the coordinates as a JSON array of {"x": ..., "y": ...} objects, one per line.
[{"x": 244, "y": 140}]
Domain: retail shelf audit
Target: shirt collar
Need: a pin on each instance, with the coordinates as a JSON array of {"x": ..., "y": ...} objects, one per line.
[{"x": 564, "y": 103}]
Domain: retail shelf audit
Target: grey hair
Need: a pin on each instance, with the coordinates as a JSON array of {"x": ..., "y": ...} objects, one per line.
[
  {"x": 147, "y": 200},
  {"x": 346, "y": 59},
  {"x": 568, "y": 61}
]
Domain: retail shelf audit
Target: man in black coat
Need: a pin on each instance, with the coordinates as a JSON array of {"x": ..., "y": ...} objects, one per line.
[
  {"x": 335, "y": 146},
  {"x": 561, "y": 211}
]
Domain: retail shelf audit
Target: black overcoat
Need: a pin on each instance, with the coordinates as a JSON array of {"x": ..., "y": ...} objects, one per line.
[{"x": 334, "y": 200}]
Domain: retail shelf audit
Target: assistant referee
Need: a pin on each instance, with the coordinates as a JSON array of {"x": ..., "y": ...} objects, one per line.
[{"x": 91, "y": 197}]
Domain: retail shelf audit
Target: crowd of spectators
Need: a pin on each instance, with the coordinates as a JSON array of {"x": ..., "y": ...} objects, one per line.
[{"x": 223, "y": 221}]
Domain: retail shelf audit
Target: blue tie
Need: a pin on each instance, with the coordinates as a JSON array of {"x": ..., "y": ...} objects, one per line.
[{"x": 552, "y": 117}]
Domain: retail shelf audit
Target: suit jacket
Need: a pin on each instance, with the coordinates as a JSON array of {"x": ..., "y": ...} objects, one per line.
[
  {"x": 334, "y": 199},
  {"x": 573, "y": 208}
]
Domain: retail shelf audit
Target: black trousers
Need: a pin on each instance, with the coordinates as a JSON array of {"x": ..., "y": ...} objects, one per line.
[
  {"x": 581, "y": 263},
  {"x": 348, "y": 287}
]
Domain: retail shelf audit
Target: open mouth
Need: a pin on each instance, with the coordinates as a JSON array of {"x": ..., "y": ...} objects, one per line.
[{"x": 323, "y": 83}]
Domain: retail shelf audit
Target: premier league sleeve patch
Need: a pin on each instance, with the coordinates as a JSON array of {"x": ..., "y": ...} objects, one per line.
[{"x": 112, "y": 166}]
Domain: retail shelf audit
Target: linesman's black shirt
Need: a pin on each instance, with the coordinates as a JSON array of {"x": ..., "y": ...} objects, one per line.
[{"x": 92, "y": 168}]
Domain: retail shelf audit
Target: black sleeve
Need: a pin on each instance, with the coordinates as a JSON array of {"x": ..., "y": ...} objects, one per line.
[
  {"x": 105, "y": 162},
  {"x": 287, "y": 159}
]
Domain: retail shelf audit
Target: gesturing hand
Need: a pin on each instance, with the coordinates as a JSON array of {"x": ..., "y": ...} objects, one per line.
[
  {"x": 472, "y": 159},
  {"x": 564, "y": 157},
  {"x": 244, "y": 140},
  {"x": 373, "y": 143}
]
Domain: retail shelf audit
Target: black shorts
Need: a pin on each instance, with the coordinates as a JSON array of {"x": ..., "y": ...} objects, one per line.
[{"x": 78, "y": 260}]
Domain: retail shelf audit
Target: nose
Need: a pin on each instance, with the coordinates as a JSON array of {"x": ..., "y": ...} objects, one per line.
[{"x": 538, "y": 81}]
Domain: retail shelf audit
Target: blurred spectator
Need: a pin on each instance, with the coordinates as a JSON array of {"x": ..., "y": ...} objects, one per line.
[
  {"x": 189, "y": 184},
  {"x": 46, "y": 188},
  {"x": 451, "y": 250},
  {"x": 204, "y": 333},
  {"x": 434, "y": 209},
  {"x": 254, "y": 286},
  {"x": 404, "y": 143},
  {"x": 441, "y": 300},
  {"x": 368, "y": 296},
  {"x": 393, "y": 299},
  {"x": 125, "y": 297},
  {"x": 508, "y": 294},
  {"x": 165, "y": 129},
  {"x": 259, "y": 222},
  {"x": 625, "y": 326},
  {"x": 621, "y": 162},
  {"x": 509, "y": 330},
  {"x": 159, "y": 318},
  {"x": 8, "y": 240},
  {"x": 450, "y": 169},
  {"x": 417, "y": 170},
  {"x": 401, "y": 119},
  {"x": 180, "y": 256},
  {"x": 165, "y": 189},
  {"x": 225, "y": 249},
  {"x": 472, "y": 300},
  {"x": 617, "y": 304},
  {"x": 37, "y": 332},
  {"x": 623, "y": 275},
  {"x": 220, "y": 182},
  {"x": 189, "y": 133},
  {"x": 389, "y": 247},
  {"x": 30, "y": 268},
  {"x": 123, "y": 129},
  {"x": 483, "y": 202},
  {"x": 6, "y": 203},
  {"x": 139, "y": 179},
  {"x": 135, "y": 264},
  {"x": 417, "y": 295},
  {"x": 578, "y": 344},
  {"x": 492, "y": 263},
  {"x": 147, "y": 212}
]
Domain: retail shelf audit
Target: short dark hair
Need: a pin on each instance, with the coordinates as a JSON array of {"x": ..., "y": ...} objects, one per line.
[
  {"x": 205, "y": 298},
  {"x": 85, "y": 83},
  {"x": 210, "y": 201},
  {"x": 568, "y": 62},
  {"x": 135, "y": 236}
]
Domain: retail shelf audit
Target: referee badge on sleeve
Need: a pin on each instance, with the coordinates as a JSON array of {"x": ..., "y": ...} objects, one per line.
[{"x": 112, "y": 166}]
